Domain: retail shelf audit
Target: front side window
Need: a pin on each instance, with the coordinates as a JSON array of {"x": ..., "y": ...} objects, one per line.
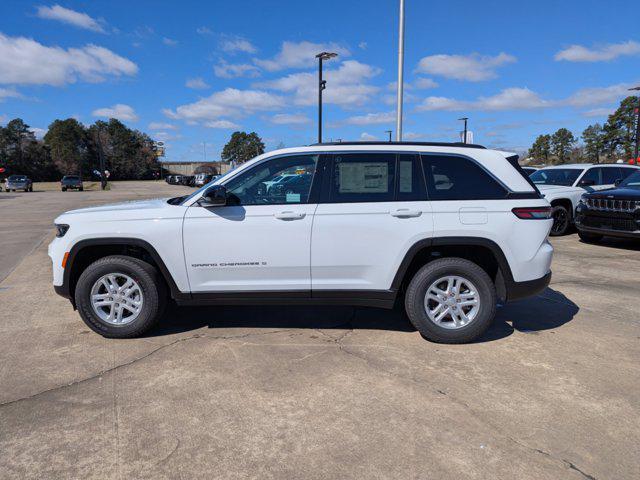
[
  {"x": 556, "y": 176},
  {"x": 626, "y": 171},
  {"x": 592, "y": 177},
  {"x": 264, "y": 185},
  {"x": 610, "y": 175},
  {"x": 450, "y": 177}
]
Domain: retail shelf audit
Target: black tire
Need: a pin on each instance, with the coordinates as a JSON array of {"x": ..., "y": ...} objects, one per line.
[
  {"x": 589, "y": 237},
  {"x": 64, "y": 189},
  {"x": 150, "y": 281},
  {"x": 431, "y": 272},
  {"x": 561, "y": 221}
]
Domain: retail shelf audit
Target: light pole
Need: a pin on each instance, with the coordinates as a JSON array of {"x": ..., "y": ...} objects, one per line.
[
  {"x": 321, "y": 86},
  {"x": 635, "y": 153},
  {"x": 400, "y": 73},
  {"x": 464, "y": 138},
  {"x": 389, "y": 132}
]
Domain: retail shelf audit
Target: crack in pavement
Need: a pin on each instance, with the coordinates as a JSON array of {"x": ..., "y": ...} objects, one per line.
[{"x": 135, "y": 360}]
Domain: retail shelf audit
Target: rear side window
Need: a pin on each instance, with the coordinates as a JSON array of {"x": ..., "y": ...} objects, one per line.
[
  {"x": 450, "y": 177},
  {"x": 363, "y": 177}
]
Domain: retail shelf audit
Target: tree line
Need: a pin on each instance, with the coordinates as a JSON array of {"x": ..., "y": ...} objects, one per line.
[
  {"x": 600, "y": 143},
  {"x": 70, "y": 148}
]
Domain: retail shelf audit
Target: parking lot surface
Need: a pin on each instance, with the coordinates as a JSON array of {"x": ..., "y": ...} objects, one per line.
[{"x": 551, "y": 392}]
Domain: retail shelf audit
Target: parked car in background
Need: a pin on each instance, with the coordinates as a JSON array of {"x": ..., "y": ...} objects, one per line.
[
  {"x": 187, "y": 180},
  {"x": 530, "y": 170},
  {"x": 611, "y": 213},
  {"x": 174, "y": 179},
  {"x": 447, "y": 230},
  {"x": 203, "y": 178},
  {"x": 563, "y": 185},
  {"x": 279, "y": 179},
  {"x": 71, "y": 182},
  {"x": 18, "y": 182}
]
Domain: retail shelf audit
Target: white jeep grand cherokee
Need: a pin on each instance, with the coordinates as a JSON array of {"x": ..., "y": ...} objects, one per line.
[{"x": 450, "y": 230}]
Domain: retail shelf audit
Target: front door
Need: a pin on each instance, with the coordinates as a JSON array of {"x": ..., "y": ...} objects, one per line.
[{"x": 259, "y": 241}]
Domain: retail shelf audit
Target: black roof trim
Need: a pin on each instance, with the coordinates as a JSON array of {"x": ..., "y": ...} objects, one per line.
[{"x": 421, "y": 144}]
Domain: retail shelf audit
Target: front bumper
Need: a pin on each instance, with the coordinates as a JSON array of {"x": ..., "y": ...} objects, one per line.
[{"x": 608, "y": 223}]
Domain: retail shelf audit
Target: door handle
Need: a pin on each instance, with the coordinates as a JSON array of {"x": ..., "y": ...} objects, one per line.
[
  {"x": 405, "y": 213},
  {"x": 289, "y": 215}
]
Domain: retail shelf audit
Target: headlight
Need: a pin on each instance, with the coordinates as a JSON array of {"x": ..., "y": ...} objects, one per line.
[
  {"x": 583, "y": 199},
  {"x": 61, "y": 229}
]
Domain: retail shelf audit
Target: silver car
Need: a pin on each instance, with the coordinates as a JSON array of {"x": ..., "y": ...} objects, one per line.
[{"x": 18, "y": 182}]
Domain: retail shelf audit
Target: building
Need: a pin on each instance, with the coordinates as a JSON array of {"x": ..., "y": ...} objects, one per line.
[{"x": 189, "y": 168}]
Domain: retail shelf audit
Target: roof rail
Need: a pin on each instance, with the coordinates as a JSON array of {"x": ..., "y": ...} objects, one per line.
[{"x": 422, "y": 144}]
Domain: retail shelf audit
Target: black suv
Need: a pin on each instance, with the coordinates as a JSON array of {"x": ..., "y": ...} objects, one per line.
[
  {"x": 71, "y": 182},
  {"x": 612, "y": 213}
]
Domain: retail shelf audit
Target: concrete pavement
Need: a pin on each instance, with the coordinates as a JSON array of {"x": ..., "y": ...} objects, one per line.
[{"x": 289, "y": 392}]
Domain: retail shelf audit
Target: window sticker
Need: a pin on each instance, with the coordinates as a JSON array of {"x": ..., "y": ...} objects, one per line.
[
  {"x": 361, "y": 177},
  {"x": 293, "y": 198}
]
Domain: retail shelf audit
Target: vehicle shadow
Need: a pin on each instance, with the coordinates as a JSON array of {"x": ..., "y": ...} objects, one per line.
[
  {"x": 546, "y": 311},
  {"x": 619, "y": 243}
]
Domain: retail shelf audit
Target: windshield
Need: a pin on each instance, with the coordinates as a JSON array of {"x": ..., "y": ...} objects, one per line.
[
  {"x": 183, "y": 200},
  {"x": 17, "y": 178},
  {"x": 632, "y": 181},
  {"x": 556, "y": 176},
  {"x": 71, "y": 177}
]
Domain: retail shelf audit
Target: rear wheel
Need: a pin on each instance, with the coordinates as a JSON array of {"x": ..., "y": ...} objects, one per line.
[
  {"x": 589, "y": 237},
  {"x": 120, "y": 297},
  {"x": 561, "y": 221},
  {"x": 451, "y": 300}
]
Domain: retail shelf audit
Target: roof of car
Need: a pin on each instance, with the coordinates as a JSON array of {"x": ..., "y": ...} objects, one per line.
[
  {"x": 587, "y": 165},
  {"x": 420, "y": 144}
]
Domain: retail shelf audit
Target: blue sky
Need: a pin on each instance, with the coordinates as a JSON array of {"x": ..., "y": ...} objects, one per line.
[{"x": 193, "y": 72}]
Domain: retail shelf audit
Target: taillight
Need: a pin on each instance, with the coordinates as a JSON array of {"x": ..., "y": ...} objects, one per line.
[{"x": 532, "y": 213}]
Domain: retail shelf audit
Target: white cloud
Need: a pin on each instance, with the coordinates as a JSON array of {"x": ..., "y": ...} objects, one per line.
[
  {"x": 8, "y": 93},
  {"x": 39, "y": 132},
  {"x": 196, "y": 83},
  {"x": 299, "y": 55},
  {"x": 412, "y": 136},
  {"x": 598, "y": 112},
  {"x": 423, "y": 83},
  {"x": 204, "y": 31},
  {"x": 598, "y": 95},
  {"x": 224, "y": 124},
  {"x": 229, "y": 70},
  {"x": 118, "y": 111},
  {"x": 162, "y": 126},
  {"x": 169, "y": 41},
  {"x": 230, "y": 102},
  {"x": 372, "y": 118},
  {"x": 362, "y": 45},
  {"x": 237, "y": 44},
  {"x": 368, "y": 137},
  {"x": 290, "y": 119},
  {"x": 346, "y": 85},
  {"x": 71, "y": 17},
  {"x": 3, "y": 118},
  {"x": 473, "y": 68},
  {"x": 25, "y": 61},
  {"x": 602, "y": 53},
  {"x": 507, "y": 99}
]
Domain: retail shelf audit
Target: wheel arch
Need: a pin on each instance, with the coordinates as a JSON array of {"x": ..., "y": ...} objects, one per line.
[
  {"x": 566, "y": 203},
  {"x": 482, "y": 251},
  {"x": 87, "y": 251}
]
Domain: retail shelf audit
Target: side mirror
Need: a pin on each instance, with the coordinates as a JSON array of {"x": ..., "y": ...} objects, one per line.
[
  {"x": 215, "y": 196},
  {"x": 617, "y": 182}
]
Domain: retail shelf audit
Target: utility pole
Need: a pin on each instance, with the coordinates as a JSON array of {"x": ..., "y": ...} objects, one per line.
[
  {"x": 103, "y": 181},
  {"x": 400, "y": 73},
  {"x": 204, "y": 151},
  {"x": 635, "y": 153},
  {"x": 322, "y": 84},
  {"x": 464, "y": 138},
  {"x": 389, "y": 132}
]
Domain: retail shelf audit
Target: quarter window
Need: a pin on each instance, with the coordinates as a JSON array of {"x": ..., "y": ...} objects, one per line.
[
  {"x": 282, "y": 180},
  {"x": 451, "y": 177}
]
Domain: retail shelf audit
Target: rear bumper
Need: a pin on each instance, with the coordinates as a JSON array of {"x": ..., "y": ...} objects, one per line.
[{"x": 518, "y": 290}]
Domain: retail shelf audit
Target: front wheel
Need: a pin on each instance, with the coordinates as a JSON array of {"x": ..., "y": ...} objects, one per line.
[
  {"x": 120, "y": 296},
  {"x": 561, "y": 221},
  {"x": 451, "y": 300}
]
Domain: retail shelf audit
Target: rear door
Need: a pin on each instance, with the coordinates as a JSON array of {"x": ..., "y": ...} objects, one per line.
[{"x": 373, "y": 209}]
